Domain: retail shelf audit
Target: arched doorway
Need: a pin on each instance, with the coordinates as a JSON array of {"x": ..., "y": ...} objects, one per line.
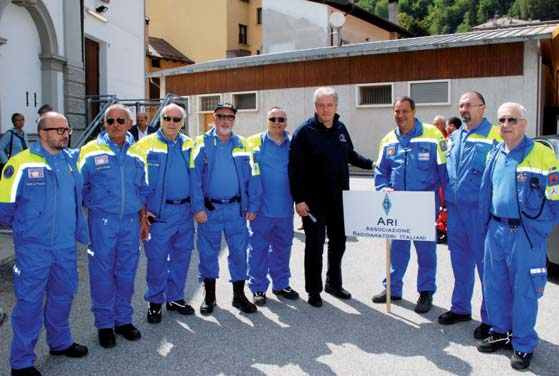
[
  {"x": 20, "y": 76},
  {"x": 31, "y": 65}
]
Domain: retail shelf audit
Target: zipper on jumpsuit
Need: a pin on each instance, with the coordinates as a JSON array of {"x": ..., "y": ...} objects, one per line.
[{"x": 54, "y": 208}]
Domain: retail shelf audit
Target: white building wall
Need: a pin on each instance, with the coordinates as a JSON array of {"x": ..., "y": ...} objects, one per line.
[
  {"x": 20, "y": 77},
  {"x": 122, "y": 47},
  {"x": 367, "y": 126}
]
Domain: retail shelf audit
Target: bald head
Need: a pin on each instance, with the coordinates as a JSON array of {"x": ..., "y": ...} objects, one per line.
[{"x": 54, "y": 132}]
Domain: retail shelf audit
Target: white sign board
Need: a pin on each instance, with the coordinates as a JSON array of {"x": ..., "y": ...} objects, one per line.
[{"x": 390, "y": 215}]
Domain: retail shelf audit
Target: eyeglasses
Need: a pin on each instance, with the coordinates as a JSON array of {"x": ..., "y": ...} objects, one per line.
[
  {"x": 59, "y": 131},
  {"x": 510, "y": 120},
  {"x": 277, "y": 119},
  {"x": 119, "y": 120},
  {"x": 469, "y": 105},
  {"x": 175, "y": 119},
  {"x": 222, "y": 117}
]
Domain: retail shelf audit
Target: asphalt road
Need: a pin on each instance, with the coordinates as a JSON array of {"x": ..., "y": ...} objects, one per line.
[{"x": 354, "y": 337}]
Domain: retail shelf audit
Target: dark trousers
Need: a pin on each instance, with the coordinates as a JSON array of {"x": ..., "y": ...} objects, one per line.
[{"x": 332, "y": 224}]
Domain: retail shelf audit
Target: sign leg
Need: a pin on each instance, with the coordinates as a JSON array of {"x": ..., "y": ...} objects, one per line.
[{"x": 388, "y": 292}]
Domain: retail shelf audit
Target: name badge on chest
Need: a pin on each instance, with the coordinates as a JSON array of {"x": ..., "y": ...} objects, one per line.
[
  {"x": 423, "y": 156},
  {"x": 101, "y": 160}
]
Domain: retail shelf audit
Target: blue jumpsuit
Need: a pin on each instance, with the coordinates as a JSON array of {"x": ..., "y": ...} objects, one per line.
[
  {"x": 272, "y": 230},
  {"x": 169, "y": 246},
  {"x": 415, "y": 162},
  {"x": 465, "y": 162},
  {"x": 527, "y": 182},
  {"x": 225, "y": 183},
  {"x": 41, "y": 199},
  {"x": 115, "y": 189}
]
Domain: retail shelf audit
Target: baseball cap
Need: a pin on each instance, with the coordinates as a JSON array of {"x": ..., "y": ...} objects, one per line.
[{"x": 225, "y": 105}]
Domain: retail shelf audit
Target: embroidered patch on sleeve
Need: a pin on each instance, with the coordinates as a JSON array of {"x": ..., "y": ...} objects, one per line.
[
  {"x": 9, "y": 171},
  {"x": 442, "y": 144},
  {"x": 553, "y": 178}
]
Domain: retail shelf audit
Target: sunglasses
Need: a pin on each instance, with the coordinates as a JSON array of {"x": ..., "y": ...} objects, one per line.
[
  {"x": 510, "y": 120},
  {"x": 119, "y": 120},
  {"x": 175, "y": 119},
  {"x": 277, "y": 119},
  {"x": 222, "y": 117},
  {"x": 59, "y": 131}
]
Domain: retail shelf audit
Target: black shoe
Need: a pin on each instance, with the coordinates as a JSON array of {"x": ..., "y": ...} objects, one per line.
[
  {"x": 520, "y": 360},
  {"x": 181, "y": 307},
  {"x": 259, "y": 298},
  {"x": 128, "y": 331},
  {"x": 339, "y": 292},
  {"x": 425, "y": 302},
  {"x": 381, "y": 297},
  {"x": 482, "y": 331},
  {"x": 154, "y": 313},
  {"x": 315, "y": 300},
  {"x": 494, "y": 342},
  {"x": 28, "y": 371},
  {"x": 207, "y": 308},
  {"x": 287, "y": 293},
  {"x": 450, "y": 318},
  {"x": 441, "y": 237},
  {"x": 107, "y": 338},
  {"x": 74, "y": 351},
  {"x": 209, "y": 302},
  {"x": 240, "y": 301}
]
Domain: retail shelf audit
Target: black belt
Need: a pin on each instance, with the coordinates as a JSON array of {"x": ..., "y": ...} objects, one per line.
[
  {"x": 178, "y": 202},
  {"x": 512, "y": 222},
  {"x": 226, "y": 201}
]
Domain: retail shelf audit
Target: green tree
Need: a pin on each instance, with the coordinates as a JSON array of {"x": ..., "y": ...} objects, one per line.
[{"x": 535, "y": 9}]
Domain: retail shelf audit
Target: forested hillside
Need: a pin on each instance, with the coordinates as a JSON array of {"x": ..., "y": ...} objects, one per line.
[{"x": 431, "y": 17}]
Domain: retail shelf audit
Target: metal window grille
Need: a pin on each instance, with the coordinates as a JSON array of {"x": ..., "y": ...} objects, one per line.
[
  {"x": 246, "y": 101},
  {"x": 208, "y": 103},
  {"x": 371, "y": 95},
  {"x": 429, "y": 92}
]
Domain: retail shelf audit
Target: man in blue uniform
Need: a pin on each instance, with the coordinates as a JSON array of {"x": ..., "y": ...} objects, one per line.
[
  {"x": 272, "y": 229},
  {"x": 225, "y": 194},
  {"x": 519, "y": 207},
  {"x": 171, "y": 232},
  {"x": 114, "y": 192},
  {"x": 411, "y": 158},
  {"x": 318, "y": 173},
  {"x": 466, "y": 157},
  {"x": 41, "y": 199}
]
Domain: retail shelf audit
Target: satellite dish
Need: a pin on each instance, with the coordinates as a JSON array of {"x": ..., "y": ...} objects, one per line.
[{"x": 336, "y": 20}]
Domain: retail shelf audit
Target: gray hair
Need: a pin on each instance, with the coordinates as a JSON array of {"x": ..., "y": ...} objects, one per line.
[
  {"x": 169, "y": 106},
  {"x": 118, "y": 106},
  {"x": 325, "y": 92},
  {"x": 516, "y": 106}
]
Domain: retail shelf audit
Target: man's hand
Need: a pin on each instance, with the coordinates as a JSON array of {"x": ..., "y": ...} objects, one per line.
[
  {"x": 250, "y": 216},
  {"x": 201, "y": 217},
  {"x": 144, "y": 229},
  {"x": 387, "y": 189},
  {"x": 302, "y": 209}
]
